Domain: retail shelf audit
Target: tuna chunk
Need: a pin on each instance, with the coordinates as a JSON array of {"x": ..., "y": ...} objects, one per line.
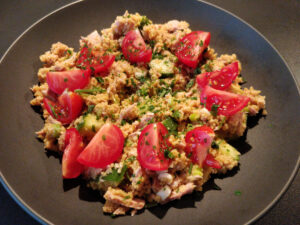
[
  {"x": 92, "y": 40},
  {"x": 123, "y": 198},
  {"x": 182, "y": 190}
]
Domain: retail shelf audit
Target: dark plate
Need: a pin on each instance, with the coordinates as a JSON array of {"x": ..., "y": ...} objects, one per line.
[{"x": 270, "y": 149}]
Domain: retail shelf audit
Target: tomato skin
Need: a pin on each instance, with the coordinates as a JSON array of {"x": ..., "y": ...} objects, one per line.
[
  {"x": 229, "y": 103},
  {"x": 70, "y": 79},
  {"x": 104, "y": 148},
  {"x": 220, "y": 79},
  {"x": 94, "y": 60},
  {"x": 66, "y": 108},
  {"x": 211, "y": 162},
  {"x": 198, "y": 142},
  {"x": 150, "y": 157},
  {"x": 73, "y": 147},
  {"x": 190, "y": 47},
  {"x": 134, "y": 48}
]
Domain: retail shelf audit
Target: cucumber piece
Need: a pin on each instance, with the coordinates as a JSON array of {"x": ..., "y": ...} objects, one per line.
[{"x": 227, "y": 149}]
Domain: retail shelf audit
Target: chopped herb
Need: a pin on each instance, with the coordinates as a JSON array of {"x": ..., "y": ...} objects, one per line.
[
  {"x": 214, "y": 110},
  {"x": 237, "y": 193},
  {"x": 176, "y": 114},
  {"x": 90, "y": 91},
  {"x": 147, "y": 143},
  {"x": 66, "y": 80},
  {"x": 197, "y": 71},
  {"x": 214, "y": 145},
  {"x": 144, "y": 21},
  {"x": 100, "y": 80},
  {"x": 201, "y": 43},
  {"x": 123, "y": 122},
  {"x": 189, "y": 127},
  {"x": 131, "y": 159},
  {"x": 189, "y": 84},
  {"x": 53, "y": 111},
  {"x": 151, "y": 108},
  {"x": 194, "y": 98},
  {"x": 69, "y": 51},
  {"x": 171, "y": 125},
  {"x": 115, "y": 176},
  {"x": 103, "y": 137},
  {"x": 126, "y": 197},
  {"x": 119, "y": 57},
  {"x": 90, "y": 108},
  {"x": 189, "y": 155},
  {"x": 191, "y": 168},
  {"x": 168, "y": 154},
  {"x": 113, "y": 215},
  {"x": 152, "y": 43},
  {"x": 207, "y": 68},
  {"x": 157, "y": 55},
  {"x": 138, "y": 182},
  {"x": 80, "y": 125},
  {"x": 133, "y": 83},
  {"x": 166, "y": 75},
  {"x": 93, "y": 128}
]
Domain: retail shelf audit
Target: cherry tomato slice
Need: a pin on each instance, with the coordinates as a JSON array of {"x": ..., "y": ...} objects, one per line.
[
  {"x": 73, "y": 147},
  {"x": 221, "y": 79},
  {"x": 198, "y": 142},
  {"x": 105, "y": 147},
  {"x": 70, "y": 79},
  {"x": 66, "y": 108},
  {"x": 228, "y": 103},
  {"x": 190, "y": 47},
  {"x": 94, "y": 60},
  {"x": 211, "y": 162},
  {"x": 152, "y": 144},
  {"x": 134, "y": 48}
]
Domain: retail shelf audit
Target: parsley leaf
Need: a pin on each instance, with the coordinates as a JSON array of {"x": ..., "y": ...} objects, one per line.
[{"x": 114, "y": 176}]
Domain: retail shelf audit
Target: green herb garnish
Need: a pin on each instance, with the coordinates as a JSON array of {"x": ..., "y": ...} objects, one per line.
[
  {"x": 189, "y": 84},
  {"x": 214, "y": 110},
  {"x": 114, "y": 176}
]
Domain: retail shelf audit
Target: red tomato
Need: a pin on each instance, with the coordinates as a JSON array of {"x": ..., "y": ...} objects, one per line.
[
  {"x": 152, "y": 144},
  {"x": 73, "y": 147},
  {"x": 189, "y": 48},
  {"x": 228, "y": 103},
  {"x": 66, "y": 108},
  {"x": 211, "y": 162},
  {"x": 220, "y": 79},
  {"x": 198, "y": 142},
  {"x": 71, "y": 79},
  {"x": 94, "y": 60},
  {"x": 134, "y": 48},
  {"x": 105, "y": 147}
]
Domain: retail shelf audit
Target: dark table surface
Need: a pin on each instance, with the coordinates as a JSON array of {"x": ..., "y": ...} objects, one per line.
[{"x": 281, "y": 28}]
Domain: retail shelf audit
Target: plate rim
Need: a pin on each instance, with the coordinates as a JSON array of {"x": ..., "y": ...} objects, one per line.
[{"x": 41, "y": 219}]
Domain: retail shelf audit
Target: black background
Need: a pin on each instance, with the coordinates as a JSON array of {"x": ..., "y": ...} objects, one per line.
[{"x": 277, "y": 20}]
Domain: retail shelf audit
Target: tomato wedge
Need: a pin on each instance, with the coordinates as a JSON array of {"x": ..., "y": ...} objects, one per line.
[
  {"x": 70, "y": 79},
  {"x": 198, "y": 142},
  {"x": 211, "y": 162},
  {"x": 220, "y": 79},
  {"x": 66, "y": 108},
  {"x": 73, "y": 147},
  {"x": 94, "y": 60},
  {"x": 227, "y": 103},
  {"x": 153, "y": 144},
  {"x": 190, "y": 47},
  {"x": 105, "y": 147},
  {"x": 134, "y": 48}
]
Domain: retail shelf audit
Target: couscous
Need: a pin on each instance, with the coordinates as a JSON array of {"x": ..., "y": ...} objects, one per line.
[{"x": 143, "y": 111}]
